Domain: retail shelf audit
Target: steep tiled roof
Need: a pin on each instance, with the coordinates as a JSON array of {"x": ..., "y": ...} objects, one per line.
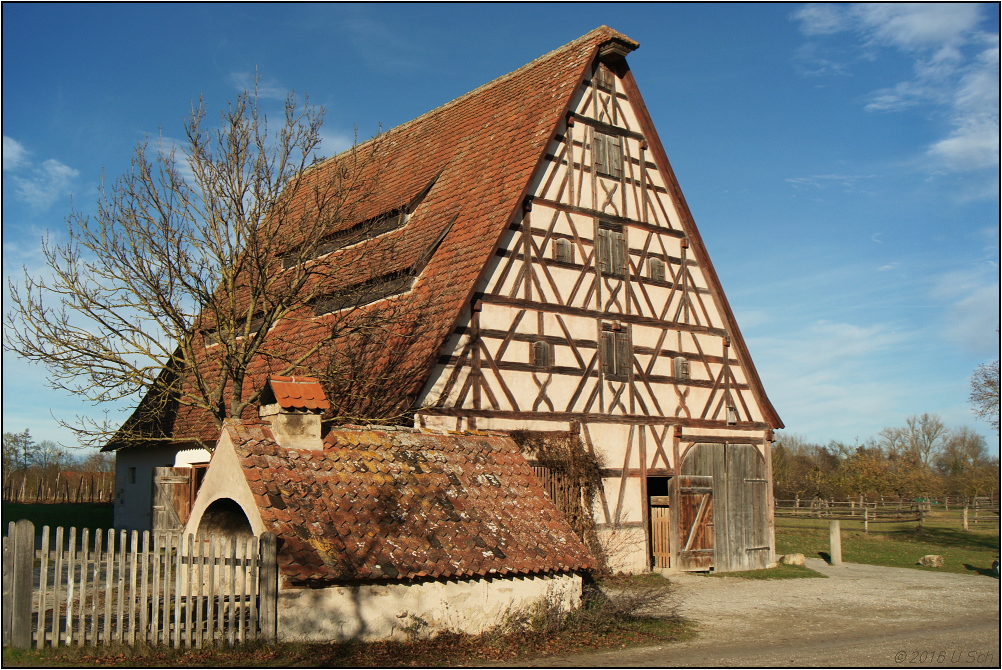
[
  {"x": 298, "y": 392},
  {"x": 478, "y": 154},
  {"x": 402, "y": 504}
]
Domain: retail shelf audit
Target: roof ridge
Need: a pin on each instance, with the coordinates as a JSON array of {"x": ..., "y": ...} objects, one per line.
[{"x": 612, "y": 33}]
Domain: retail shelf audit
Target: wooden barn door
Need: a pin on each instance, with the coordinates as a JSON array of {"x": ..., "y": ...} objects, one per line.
[
  {"x": 171, "y": 498},
  {"x": 695, "y": 517},
  {"x": 733, "y": 479},
  {"x": 747, "y": 523}
]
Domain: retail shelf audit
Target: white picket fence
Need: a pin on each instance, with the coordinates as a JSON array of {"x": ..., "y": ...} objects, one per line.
[{"x": 75, "y": 587}]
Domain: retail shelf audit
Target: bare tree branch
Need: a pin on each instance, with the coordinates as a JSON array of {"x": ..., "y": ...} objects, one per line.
[{"x": 198, "y": 266}]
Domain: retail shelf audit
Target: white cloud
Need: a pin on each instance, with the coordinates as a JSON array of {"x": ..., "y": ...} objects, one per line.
[
  {"x": 333, "y": 142},
  {"x": 829, "y": 378},
  {"x": 848, "y": 182},
  {"x": 821, "y": 19},
  {"x": 974, "y": 141},
  {"x": 266, "y": 87},
  {"x": 39, "y": 185},
  {"x": 971, "y": 301},
  {"x": 919, "y": 25},
  {"x": 14, "y": 154},
  {"x": 955, "y": 69}
]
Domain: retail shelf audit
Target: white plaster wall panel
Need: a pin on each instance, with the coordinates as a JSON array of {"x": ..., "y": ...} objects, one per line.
[
  {"x": 134, "y": 484},
  {"x": 375, "y": 612},
  {"x": 224, "y": 479}
]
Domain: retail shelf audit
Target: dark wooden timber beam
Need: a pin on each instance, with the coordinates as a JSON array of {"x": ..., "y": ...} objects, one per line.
[
  {"x": 606, "y": 128},
  {"x": 635, "y": 319},
  {"x": 595, "y": 214},
  {"x": 625, "y": 180},
  {"x": 629, "y": 419}
]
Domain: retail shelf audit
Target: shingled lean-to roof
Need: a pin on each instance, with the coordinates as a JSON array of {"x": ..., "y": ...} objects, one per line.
[{"x": 401, "y": 504}]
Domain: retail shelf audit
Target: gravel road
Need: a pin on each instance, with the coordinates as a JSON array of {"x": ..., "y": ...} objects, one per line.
[{"x": 862, "y": 615}]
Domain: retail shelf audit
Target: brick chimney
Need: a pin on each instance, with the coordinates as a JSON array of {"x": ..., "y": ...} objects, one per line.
[{"x": 293, "y": 405}]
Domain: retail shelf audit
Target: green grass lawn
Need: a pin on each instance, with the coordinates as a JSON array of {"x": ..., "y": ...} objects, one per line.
[
  {"x": 81, "y": 515},
  {"x": 898, "y": 545}
]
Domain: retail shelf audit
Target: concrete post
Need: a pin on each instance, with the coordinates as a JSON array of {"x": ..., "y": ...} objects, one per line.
[{"x": 835, "y": 536}]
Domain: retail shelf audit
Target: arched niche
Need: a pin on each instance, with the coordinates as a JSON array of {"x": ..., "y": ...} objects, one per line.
[{"x": 225, "y": 517}]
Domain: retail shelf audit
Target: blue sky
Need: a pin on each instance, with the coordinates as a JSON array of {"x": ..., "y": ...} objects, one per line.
[{"x": 841, "y": 161}]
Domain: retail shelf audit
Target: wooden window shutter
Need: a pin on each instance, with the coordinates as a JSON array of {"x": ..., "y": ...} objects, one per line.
[
  {"x": 656, "y": 267},
  {"x": 607, "y": 352},
  {"x": 563, "y": 251},
  {"x": 614, "y": 156},
  {"x": 681, "y": 367},
  {"x": 624, "y": 353},
  {"x": 598, "y": 149},
  {"x": 542, "y": 354},
  {"x": 618, "y": 252},
  {"x": 604, "y": 252}
]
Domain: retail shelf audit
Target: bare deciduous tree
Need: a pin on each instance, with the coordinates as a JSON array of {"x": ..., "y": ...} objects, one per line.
[
  {"x": 196, "y": 265},
  {"x": 985, "y": 393}
]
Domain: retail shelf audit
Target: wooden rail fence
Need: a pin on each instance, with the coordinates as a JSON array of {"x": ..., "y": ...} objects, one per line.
[
  {"x": 61, "y": 487},
  {"x": 75, "y": 588},
  {"x": 888, "y": 511}
]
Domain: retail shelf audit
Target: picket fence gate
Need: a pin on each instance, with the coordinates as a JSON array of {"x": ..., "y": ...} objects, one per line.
[{"x": 120, "y": 587}]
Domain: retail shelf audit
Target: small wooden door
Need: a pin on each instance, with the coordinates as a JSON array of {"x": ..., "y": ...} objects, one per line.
[
  {"x": 695, "y": 516},
  {"x": 171, "y": 498},
  {"x": 660, "y": 531}
]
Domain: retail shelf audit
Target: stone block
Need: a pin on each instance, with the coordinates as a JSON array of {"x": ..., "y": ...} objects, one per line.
[
  {"x": 793, "y": 559},
  {"x": 932, "y": 561}
]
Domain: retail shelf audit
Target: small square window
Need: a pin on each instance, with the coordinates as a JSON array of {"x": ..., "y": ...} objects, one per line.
[
  {"x": 656, "y": 269},
  {"x": 607, "y": 152},
  {"x": 612, "y": 252},
  {"x": 604, "y": 78},
  {"x": 615, "y": 351},
  {"x": 563, "y": 251},
  {"x": 541, "y": 354},
  {"x": 680, "y": 367}
]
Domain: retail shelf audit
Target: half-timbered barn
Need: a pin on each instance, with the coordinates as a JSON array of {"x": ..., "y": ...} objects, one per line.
[{"x": 539, "y": 235}]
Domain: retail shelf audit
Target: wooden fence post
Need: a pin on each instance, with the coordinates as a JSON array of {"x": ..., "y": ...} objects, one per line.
[
  {"x": 20, "y": 602},
  {"x": 8, "y": 584},
  {"x": 866, "y": 520},
  {"x": 268, "y": 587},
  {"x": 835, "y": 537},
  {"x": 966, "y": 527}
]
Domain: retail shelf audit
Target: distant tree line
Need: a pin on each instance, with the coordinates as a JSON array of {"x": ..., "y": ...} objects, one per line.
[
  {"x": 21, "y": 453},
  {"x": 923, "y": 458}
]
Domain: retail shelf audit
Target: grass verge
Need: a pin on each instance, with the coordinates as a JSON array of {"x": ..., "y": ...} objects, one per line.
[
  {"x": 894, "y": 545},
  {"x": 779, "y": 572}
]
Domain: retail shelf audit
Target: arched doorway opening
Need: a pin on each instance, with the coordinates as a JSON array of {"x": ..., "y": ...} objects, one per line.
[{"x": 225, "y": 517}]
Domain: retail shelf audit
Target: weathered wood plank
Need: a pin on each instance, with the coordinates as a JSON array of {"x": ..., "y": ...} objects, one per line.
[
  {"x": 95, "y": 580},
  {"x": 211, "y": 605},
  {"x": 43, "y": 589},
  {"x": 57, "y": 626},
  {"x": 23, "y": 559},
  {"x": 268, "y": 587}
]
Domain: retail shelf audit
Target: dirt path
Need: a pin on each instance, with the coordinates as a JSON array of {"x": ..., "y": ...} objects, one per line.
[{"x": 862, "y": 615}]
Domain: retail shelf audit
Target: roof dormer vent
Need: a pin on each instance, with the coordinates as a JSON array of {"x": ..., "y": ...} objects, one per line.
[{"x": 293, "y": 405}]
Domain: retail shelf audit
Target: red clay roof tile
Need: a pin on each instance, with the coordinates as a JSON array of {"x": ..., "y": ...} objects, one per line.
[
  {"x": 386, "y": 525},
  {"x": 477, "y": 180}
]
